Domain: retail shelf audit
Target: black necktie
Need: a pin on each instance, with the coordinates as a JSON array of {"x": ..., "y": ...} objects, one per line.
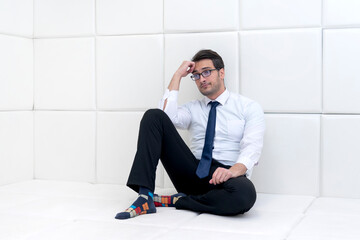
[{"x": 206, "y": 157}]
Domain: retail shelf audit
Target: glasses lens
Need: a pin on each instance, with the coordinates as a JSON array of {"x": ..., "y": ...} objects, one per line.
[
  {"x": 206, "y": 73},
  {"x": 195, "y": 76}
]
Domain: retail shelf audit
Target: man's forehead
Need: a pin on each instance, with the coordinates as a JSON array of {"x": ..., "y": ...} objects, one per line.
[{"x": 203, "y": 65}]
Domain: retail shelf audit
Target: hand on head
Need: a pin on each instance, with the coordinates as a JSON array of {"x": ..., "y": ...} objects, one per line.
[{"x": 185, "y": 68}]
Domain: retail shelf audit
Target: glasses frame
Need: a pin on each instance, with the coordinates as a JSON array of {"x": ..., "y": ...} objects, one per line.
[{"x": 202, "y": 74}]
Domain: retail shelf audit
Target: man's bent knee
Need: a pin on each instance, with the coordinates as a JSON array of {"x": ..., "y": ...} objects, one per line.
[
  {"x": 152, "y": 115},
  {"x": 154, "y": 112},
  {"x": 243, "y": 194}
]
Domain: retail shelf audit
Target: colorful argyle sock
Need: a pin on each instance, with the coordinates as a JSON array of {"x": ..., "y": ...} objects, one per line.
[
  {"x": 167, "y": 201},
  {"x": 144, "y": 204}
]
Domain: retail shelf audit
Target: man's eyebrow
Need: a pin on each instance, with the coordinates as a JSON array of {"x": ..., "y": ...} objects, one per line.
[{"x": 204, "y": 68}]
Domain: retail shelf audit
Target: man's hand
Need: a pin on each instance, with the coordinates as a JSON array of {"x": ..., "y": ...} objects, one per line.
[
  {"x": 185, "y": 68},
  {"x": 221, "y": 175}
]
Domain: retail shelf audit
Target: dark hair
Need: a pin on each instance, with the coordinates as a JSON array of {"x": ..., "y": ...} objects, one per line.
[{"x": 209, "y": 54}]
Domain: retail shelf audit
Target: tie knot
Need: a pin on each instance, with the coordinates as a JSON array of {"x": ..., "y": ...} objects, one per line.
[{"x": 214, "y": 104}]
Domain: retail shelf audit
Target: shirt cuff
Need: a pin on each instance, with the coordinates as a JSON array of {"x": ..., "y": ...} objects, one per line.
[
  {"x": 172, "y": 95},
  {"x": 249, "y": 164}
]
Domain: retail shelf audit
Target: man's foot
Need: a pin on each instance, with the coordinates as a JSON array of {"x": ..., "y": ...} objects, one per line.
[
  {"x": 144, "y": 204},
  {"x": 167, "y": 201}
]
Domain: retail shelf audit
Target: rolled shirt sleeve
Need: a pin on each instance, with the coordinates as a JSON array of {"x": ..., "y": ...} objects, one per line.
[
  {"x": 180, "y": 116},
  {"x": 252, "y": 142}
]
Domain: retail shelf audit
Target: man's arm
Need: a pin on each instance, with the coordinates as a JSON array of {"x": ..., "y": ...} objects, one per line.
[
  {"x": 250, "y": 146},
  {"x": 185, "y": 68},
  {"x": 180, "y": 116}
]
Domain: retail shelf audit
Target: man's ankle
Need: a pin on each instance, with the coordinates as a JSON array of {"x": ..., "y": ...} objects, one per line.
[
  {"x": 144, "y": 204},
  {"x": 167, "y": 201}
]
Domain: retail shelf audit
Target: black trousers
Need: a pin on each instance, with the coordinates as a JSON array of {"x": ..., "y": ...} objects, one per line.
[{"x": 159, "y": 139}]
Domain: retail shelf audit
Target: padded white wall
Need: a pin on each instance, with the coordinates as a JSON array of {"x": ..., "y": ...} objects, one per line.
[
  {"x": 16, "y": 91},
  {"x": 76, "y": 77}
]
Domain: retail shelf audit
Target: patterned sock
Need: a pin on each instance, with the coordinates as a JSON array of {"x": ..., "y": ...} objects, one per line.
[
  {"x": 144, "y": 204},
  {"x": 167, "y": 201}
]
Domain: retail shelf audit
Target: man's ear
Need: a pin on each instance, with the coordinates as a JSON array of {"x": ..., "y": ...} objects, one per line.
[{"x": 222, "y": 73}]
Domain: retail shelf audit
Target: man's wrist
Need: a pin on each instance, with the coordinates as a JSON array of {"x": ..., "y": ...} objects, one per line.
[
  {"x": 238, "y": 169},
  {"x": 177, "y": 75}
]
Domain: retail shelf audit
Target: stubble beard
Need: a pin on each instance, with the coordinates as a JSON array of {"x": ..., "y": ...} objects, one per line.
[{"x": 213, "y": 88}]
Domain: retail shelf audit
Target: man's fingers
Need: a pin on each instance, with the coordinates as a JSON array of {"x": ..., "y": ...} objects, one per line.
[
  {"x": 220, "y": 178},
  {"x": 213, "y": 179},
  {"x": 220, "y": 175},
  {"x": 217, "y": 176},
  {"x": 223, "y": 177},
  {"x": 227, "y": 177},
  {"x": 192, "y": 67},
  {"x": 186, "y": 68}
]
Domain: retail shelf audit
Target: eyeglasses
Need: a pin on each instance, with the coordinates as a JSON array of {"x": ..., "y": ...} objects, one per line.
[{"x": 205, "y": 74}]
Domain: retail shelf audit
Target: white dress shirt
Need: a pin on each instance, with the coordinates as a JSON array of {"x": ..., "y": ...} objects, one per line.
[{"x": 239, "y": 130}]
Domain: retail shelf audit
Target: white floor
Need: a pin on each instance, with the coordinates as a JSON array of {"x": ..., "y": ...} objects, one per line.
[{"x": 37, "y": 210}]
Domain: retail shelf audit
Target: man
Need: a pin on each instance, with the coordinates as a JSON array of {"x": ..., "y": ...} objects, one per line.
[{"x": 226, "y": 140}]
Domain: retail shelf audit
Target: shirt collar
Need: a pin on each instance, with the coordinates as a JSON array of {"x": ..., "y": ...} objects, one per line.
[{"x": 221, "y": 99}]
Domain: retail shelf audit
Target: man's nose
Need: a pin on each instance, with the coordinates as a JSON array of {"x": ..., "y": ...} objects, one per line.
[{"x": 202, "y": 78}]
